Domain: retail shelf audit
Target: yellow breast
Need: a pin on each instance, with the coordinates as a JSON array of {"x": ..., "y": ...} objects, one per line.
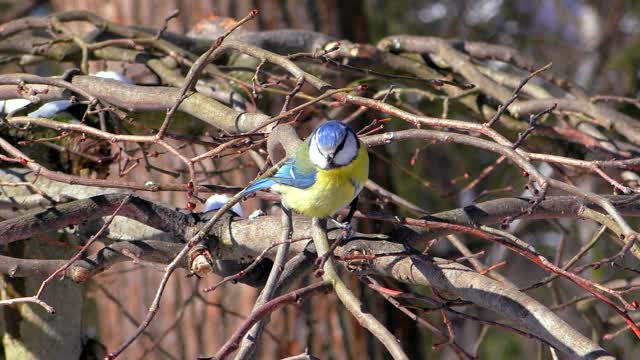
[{"x": 333, "y": 190}]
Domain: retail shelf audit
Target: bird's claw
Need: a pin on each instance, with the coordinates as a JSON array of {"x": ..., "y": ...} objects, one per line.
[{"x": 345, "y": 226}]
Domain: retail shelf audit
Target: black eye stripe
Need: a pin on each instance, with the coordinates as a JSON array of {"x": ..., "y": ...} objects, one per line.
[{"x": 344, "y": 140}]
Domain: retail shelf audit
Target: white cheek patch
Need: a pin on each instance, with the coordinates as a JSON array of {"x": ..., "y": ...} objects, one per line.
[
  {"x": 316, "y": 157},
  {"x": 348, "y": 151}
]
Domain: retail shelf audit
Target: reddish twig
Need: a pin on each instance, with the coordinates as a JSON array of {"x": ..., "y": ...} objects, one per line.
[{"x": 294, "y": 297}]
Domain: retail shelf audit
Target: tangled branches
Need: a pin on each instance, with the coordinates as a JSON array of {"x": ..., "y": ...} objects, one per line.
[{"x": 251, "y": 90}]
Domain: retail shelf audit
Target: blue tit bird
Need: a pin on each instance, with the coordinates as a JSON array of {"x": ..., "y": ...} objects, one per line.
[{"x": 325, "y": 174}]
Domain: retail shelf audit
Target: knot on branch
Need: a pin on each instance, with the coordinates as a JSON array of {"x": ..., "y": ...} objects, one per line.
[
  {"x": 79, "y": 274},
  {"x": 358, "y": 260},
  {"x": 200, "y": 261}
]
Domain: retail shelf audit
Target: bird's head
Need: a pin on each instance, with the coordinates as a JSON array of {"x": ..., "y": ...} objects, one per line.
[{"x": 333, "y": 144}]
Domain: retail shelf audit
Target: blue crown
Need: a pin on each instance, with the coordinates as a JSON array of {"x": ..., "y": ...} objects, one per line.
[{"x": 331, "y": 134}]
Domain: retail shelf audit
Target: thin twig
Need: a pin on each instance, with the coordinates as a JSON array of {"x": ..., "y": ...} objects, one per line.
[
  {"x": 348, "y": 299},
  {"x": 294, "y": 297},
  {"x": 37, "y": 297},
  {"x": 248, "y": 342},
  {"x": 515, "y": 95}
]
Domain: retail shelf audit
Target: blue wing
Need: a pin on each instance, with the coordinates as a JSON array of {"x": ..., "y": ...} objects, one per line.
[
  {"x": 258, "y": 185},
  {"x": 288, "y": 174}
]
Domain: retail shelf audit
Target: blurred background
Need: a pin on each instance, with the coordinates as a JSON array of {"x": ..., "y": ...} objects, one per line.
[{"x": 595, "y": 44}]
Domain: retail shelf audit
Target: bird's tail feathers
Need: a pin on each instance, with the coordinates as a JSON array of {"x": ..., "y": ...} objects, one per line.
[{"x": 259, "y": 185}]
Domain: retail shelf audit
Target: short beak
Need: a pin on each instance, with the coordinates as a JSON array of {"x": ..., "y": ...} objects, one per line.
[{"x": 329, "y": 159}]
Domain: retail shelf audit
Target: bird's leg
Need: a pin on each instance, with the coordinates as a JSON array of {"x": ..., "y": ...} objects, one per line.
[
  {"x": 347, "y": 232},
  {"x": 345, "y": 224},
  {"x": 352, "y": 210}
]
